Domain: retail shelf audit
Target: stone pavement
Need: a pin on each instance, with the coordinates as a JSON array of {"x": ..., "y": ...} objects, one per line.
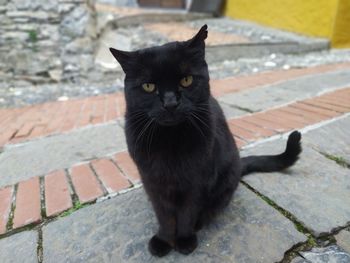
[{"x": 69, "y": 191}]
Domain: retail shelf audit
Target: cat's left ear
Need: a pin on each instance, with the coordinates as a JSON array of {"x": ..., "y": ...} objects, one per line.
[
  {"x": 125, "y": 58},
  {"x": 198, "y": 39}
]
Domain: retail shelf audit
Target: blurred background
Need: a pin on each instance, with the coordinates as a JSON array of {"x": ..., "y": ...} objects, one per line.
[{"x": 57, "y": 50}]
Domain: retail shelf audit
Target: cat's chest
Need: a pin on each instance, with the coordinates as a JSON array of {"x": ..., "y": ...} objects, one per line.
[{"x": 174, "y": 166}]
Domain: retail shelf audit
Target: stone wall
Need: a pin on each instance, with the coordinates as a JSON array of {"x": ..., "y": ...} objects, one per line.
[{"x": 46, "y": 40}]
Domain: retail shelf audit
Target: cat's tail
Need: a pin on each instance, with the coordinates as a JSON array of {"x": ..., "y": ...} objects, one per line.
[{"x": 274, "y": 163}]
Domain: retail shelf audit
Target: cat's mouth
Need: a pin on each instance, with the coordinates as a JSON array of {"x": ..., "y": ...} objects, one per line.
[{"x": 170, "y": 120}]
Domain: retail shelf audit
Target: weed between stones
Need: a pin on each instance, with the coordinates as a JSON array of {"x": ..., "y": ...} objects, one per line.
[
  {"x": 298, "y": 225},
  {"x": 325, "y": 239},
  {"x": 338, "y": 159},
  {"x": 77, "y": 206},
  {"x": 9, "y": 224},
  {"x": 40, "y": 247},
  {"x": 293, "y": 251},
  {"x": 42, "y": 196},
  {"x": 242, "y": 108}
]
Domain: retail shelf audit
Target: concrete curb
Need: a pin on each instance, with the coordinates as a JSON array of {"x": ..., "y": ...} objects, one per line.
[{"x": 252, "y": 50}]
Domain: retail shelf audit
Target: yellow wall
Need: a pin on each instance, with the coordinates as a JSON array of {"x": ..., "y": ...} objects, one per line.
[
  {"x": 322, "y": 18},
  {"x": 341, "y": 30}
]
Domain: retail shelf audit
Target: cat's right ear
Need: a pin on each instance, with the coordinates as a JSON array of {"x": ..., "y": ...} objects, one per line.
[{"x": 125, "y": 58}]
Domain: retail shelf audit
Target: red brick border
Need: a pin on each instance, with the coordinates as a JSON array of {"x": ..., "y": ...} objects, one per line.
[
  {"x": 111, "y": 177},
  {"x": 85, "y": 183},
  {"x": 57, "y": 195},
  {"x": 118, "y": 172},
  {"x": 28, "y": 208},
  {"x": 18, "y": 125}
]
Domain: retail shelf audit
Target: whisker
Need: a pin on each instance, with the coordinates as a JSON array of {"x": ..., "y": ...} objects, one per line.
[
  {"x": 195, "y": 125},
  {"x": 201, "y": 120},
  {"x": 145, "y": 127},
  {"x": 134, "y": 125},
  {"x": 136, "y": 121},
  {"x": 152, "y": 132},
  {"x": 203, "y": 111}
]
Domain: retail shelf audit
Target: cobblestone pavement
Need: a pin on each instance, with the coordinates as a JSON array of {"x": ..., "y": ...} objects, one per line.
[{"x": 77, "y": 160}]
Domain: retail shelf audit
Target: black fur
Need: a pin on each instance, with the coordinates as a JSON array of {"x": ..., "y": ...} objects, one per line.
[
  {"x": 186, "y": 155},
  {"x": 273, "y": 163}
]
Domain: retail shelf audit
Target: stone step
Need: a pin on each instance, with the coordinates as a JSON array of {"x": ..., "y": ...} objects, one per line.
[
  {"x": 227, "y": 39},
  {"x": 122, "y": 16}
]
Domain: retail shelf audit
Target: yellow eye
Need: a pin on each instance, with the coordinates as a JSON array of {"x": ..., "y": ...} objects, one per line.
[
  {"x": 149, "y": 87},
  {"x": 186, "y": 81}
]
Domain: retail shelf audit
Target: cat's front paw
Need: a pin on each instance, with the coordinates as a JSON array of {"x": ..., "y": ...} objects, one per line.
[
  {"x": 158, "y": 247},
  {"x": 186, "y": 245}
]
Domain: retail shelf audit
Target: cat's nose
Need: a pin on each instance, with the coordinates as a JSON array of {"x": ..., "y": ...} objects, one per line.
[
  {"x": 171, "y": 106},
  {"x": 170, "y": 102}
]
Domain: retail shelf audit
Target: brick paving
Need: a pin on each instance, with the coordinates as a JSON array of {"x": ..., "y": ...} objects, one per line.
[
  {"x": 18, "y": 125},
  {"x": 127, "y": 166},
  {"x": 28, "y": 209},
  {"x": 117, "y": 172},
  {"x": 111, "y": 177},
  {"x": 85, "y": 183},
  {"x": 57, "y": 195}
]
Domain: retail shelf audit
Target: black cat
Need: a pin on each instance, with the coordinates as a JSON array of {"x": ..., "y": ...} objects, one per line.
[{"x": 179, "y": 139}]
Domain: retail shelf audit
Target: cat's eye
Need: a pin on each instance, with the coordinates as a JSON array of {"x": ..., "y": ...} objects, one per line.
[
  {"x": 149, "y": 87},
  {"x": 186, "y": 81}
]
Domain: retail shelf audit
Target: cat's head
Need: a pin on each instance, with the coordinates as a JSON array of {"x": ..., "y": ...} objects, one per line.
[{"x": 169, "y": 83}]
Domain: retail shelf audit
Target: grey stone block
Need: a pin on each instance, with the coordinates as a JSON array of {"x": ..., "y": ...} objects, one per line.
[
  {"x": 331, "y": 254},
  {"x": 315, "y": 189},
  {"x": 300, "y": 260},
  {"x": 20, "y": 247},
  {"x": 231, "y": 112},
  {"x": 118, "y": 230},
  {"x": 343, "y": 240},
  {"x": 333, "y": 139}
]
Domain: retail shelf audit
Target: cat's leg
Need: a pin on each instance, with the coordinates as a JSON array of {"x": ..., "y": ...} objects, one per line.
[
  {"x": 162, "y": 243},
  {"x": 220, "y": 198},
  {"x": 186, "y": 238}
]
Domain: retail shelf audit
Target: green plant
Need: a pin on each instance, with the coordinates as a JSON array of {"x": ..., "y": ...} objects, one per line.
[
  {"x": 77, "y": 205},
  {"x": 339, "y": 160},
  {"x": 33, "y": 36}
]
